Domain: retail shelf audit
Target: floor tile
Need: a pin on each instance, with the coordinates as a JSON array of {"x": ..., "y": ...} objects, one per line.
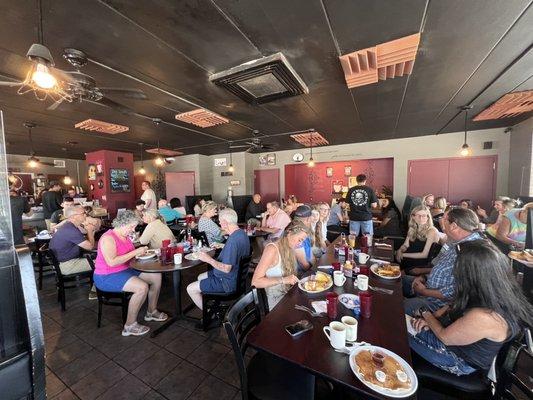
[
  {"x": 185, "y": 343},
  {"x": 73, "y": 316},
  {"x": 98, "y": 381},
  {"x": 238, "y": 396},
  {"x": 134, "y": 356},
  {"x": 167, "y": 336},
  {"x": 81, "y": 367},
  {"x": 67, "y": 354},
  {"x": 54, "y": 385},
  {"x": 66, "y": 394},
  {"x": 213, "y": 389},
  {"x": 129, "y": 388},
  {"x": 153, "y": 395},
  {"x": 50, "y": 327},
  {"x": 156, "y": 367},
  {"x": 227, "y": 370},
  {"x": 56, "y": 342},
  {"x": 181, "y": 382},
  {"x": 208, "y": 355}
]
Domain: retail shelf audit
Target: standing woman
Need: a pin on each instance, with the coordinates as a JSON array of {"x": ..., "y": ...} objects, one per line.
[
  {"x": 488, "y": 310},
  {"x": 276, "y": 271},
  {"x": 413, "y": 254}
]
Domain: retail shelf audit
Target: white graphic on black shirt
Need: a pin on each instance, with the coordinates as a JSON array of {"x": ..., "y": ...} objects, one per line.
[{"x": 359, "y": 197}]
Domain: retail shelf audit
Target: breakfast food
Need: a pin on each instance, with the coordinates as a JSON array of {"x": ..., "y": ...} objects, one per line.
[
  {"x": 318, "y": 282},
  {"x": 389, "y": 270},
  {"x": 348, "y": 265},
  {"x": 381, "y": 370},
  {"x": 525, "y": 255}
]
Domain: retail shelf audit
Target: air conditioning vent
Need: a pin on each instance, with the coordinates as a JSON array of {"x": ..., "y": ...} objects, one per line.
[{"x": 263, "y": 80}]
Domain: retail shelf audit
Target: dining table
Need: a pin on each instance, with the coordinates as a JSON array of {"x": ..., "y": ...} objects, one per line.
[
  {"x": 386, "y": 327},
  {"x": 155, "y": 265}
]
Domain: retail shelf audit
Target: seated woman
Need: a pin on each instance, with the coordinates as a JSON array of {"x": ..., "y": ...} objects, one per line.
[
  {"x": 428, "y": 200},
  {"x": 390, "y": 219},
  {"x": 512, "y": 228},
  {"x": 223, "y": 277},
  {"x": 467, "y": 203},
  {"x": 169, "y": 215},
  {"x": 207, "y": 225},
  {"x": 488, "y": 310},
  {"x": 502, "y": 207},
  {"x": 198, "y": 207},
  {"x": 156, "y": 230},
  {"x": 139, "y": 208},
  {"x": 437, "y": 212},
  {"x": 319, "y": 242},
  {"x": 276, "y": 271},
  {"x": 175, "y": 204},
  {"x": 291, "y": 205},
  {"x": 112, "y": 273},
  {"x": 322, "y": 224},
  {"x": 413, "y": 254}
]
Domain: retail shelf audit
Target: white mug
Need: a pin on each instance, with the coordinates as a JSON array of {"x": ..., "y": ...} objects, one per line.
[
  {"x": 178, "y": 258},
  {"x": 363, "y": 258},
  {"x": 362, "y": 282},
  {"x": 338, "y": 278},
  {"x": 336, "y": 333},
  {"x": 351, "y": 328}
]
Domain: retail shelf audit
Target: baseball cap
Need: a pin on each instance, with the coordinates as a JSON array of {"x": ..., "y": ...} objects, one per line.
[{"x": 303, "y": 211}]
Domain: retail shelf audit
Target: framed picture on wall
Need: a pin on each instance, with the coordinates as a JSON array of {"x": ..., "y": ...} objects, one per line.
[
  {"x": 271, "y": 159},
  {"x": 263, "y": 161},
  {"x": 336, "y": 187},
  {"x": 329, "y": 172},
  {"x": 99, "y": 169},
  {"x": 91, "y": 171},
  {"x": 347, "y": 170},
  {"x": 352, "y": 181}
]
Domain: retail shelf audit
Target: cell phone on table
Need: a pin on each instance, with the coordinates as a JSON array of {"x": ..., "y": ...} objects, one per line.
[{"x": 299, "y": 327}]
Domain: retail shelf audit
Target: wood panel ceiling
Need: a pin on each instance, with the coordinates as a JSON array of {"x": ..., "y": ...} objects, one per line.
[{"x": 471, "y": 52}]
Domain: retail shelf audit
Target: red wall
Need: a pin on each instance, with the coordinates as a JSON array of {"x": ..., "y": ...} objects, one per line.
[
  {"x": 312, "y": 185},
  {"x": 110, "y": 159}
]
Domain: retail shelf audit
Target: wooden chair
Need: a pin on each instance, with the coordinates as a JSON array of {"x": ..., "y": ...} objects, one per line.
[{"x": 116, "y": 299}]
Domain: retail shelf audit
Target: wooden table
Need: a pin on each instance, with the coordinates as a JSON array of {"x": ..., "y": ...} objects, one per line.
[
  {"x": 155, "y": 266},
  {"x": 312, "y": 351}
]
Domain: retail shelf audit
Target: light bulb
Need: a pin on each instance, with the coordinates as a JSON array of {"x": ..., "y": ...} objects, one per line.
[
  {"x": 67, "y": 180},
  {"x": 159, "y": 161},
  {"x": 42, "y": 77},
  {"x": 11, "y": 178},
  {"x": 465, "y": 150},
  {"x": 33, "y": 162},
  {"x": 311, "y": 163},
  {"x": 231, "y": 168},
  {"x": 142, "y": 171}
]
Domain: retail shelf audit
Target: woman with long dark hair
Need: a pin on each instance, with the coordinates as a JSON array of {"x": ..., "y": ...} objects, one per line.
[
  {"x": 390, "y": 219},
  {"x": 488, "y": 310}
]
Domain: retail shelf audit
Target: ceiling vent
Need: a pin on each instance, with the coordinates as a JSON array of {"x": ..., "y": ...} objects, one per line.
[
  {"x": 384, "y": 61},
  {"x": 202, "y": 118},
  {"x": 164, "y": 152},
  {"x": 263, "y": 80},
  {"x": 101, "y": 126},
  {"x": 509, "y": 105},
  {"x": 311, "y": 139}
]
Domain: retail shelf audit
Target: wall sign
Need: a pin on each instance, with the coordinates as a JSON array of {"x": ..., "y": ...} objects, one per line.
[
  {"x": 221, "y": 162},
  {"x": 226, "y": 173},
  {"x": 235, "y": 183},
  {"x": 329, "y": 172},
  {"x": 348, "y": 170},
  {"x": 263, "y": 161}
]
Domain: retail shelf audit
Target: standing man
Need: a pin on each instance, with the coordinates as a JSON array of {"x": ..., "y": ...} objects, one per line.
[
  {"x": 361, "y": 199},
  {"x": 150, "y": 201},
  {"x": 254, "y": 211},
  {"x": 19, "y": 206},
  {"x": 52, "y": 201}
]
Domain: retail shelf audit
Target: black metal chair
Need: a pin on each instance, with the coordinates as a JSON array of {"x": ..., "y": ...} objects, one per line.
[
  {"x": 215, "y": 305},
  {"x": 116, "y": 299},
  {"x": 516, "y": 374},
  {"x": 265, "y": 377},
  {"x": 196, "y": 234},
  {"x": 70, "y": 281},
  {"x": 43, "y": 267}
]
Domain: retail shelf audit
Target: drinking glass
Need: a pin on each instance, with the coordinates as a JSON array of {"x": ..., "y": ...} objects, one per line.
[
  {"x": 332, "y": 300},
  {"x": 365, "y": 299},
  {"x": 351, "y": 240}
]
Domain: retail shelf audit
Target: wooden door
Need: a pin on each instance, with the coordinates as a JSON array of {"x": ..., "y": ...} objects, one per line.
[
  {"x": 180, "y": 184},
  {"x": 428, "y": 176},
  {"x": 266, "y": 183}
]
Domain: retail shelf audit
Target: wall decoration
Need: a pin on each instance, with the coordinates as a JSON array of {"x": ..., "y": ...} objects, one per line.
[
  {"x": 221, "y": 162},
  {"x": 235, "y": 183},
  {"x": 99, "y": 168},
  {"x": 91, "y": 186},
  {"x": 100, "y": 184},
  {"x": 329, "y": 172},
  {"x": 120, "y": 180},
  {"x": 336, "y": 187},
  {"x": 347, "y": 170},
  {"x": 226, "y": 173},
  {"x": 263, "y": 161},
  {"x": 298, "y": 157},
  {"x": 91, "y": 170},
  {"x": 352, "y": 181},
  {"x": 271, "y": 159}
]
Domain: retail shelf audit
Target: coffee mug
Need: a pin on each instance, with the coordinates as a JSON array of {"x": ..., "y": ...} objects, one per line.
[
  {"x": 362, "y": 282},
  {"x": 338, "y": 278},
  {"x": 350, "y": 324},
  {"x": 363, "y": 258},
  {"x": 336, "y": 333}
]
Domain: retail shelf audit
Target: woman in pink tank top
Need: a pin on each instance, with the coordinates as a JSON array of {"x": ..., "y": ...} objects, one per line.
[{"x": 112, "y": 273}]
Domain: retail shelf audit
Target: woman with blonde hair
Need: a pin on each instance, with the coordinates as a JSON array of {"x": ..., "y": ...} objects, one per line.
[
  {"x": 207, "y": 225},
  {"x": 503, "y": 206},
  {"x": 437, "y": 211},
  {"x": 276, "y": 271},
  {"x": 513, "y": 226},
  {"x": 414, "y": 252}
]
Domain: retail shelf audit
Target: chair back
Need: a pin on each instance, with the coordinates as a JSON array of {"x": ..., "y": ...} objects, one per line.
[
  {"x": 240, "y": 320},
  {"x": 200, "y": 236},
  {"x": 242, "y": 274},
  {"x": 50, "y": 256},
  {"x": 434, "y": 251}
]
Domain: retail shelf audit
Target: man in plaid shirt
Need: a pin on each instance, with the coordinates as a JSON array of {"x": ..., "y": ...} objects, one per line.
[{"x": 460, "y": 225}]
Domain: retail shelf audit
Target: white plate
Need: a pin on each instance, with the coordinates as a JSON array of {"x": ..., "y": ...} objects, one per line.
[
  {"x": 350, "y": 301},
  {"x": 192, "y": 257},
  {"x": 303, "y": 280},
  {"x": 374, "y": 269},
  {"x": 149, "y": 254},
  {"x": 399, "y": 393},
  {"x": 217, "y": 245}
]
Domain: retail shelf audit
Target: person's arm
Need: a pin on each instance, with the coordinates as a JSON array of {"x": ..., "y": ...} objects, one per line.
[
  {"x": 147, "y": 234},
  {"x": 302, "y": 259},
  {"x": 433, "y": 237},
  {"x": 402, "y": 249},
  {"x": 203, "y": 256},
  {"x": 503, "y": 230},
  {"x": 89, "y": 243},
  {"x": 422, "y": 290},
  {"x": 109, "y": 251},
  {"x": 147, "y": 201},
  {"x": 374, "y": 200}
]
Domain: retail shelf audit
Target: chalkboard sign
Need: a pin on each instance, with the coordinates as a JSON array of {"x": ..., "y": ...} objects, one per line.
[{"x": 120, "y": 180}]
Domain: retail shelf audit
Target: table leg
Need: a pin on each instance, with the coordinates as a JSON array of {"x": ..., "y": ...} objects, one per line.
[{"x": 178, "y": 313}]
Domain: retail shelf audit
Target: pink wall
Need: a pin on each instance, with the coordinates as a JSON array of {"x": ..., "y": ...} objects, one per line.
[
  {"x": 111, "y": 159},
  {"x": 312, "y": 184}
]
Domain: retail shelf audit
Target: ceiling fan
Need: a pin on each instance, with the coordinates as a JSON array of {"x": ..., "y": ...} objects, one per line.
[
  {"x": 255, "y": 144},
  {"x": 82, "y": 87}
]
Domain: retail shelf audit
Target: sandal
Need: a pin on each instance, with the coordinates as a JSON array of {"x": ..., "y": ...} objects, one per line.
[
  {"x": 135, "y": 329},
  {"x": 155, "y": 316}
]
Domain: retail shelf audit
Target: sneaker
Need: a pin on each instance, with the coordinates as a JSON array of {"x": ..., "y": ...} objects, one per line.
[
  {"x": 93, "y": 295},
  {"x": 156, "y": 316},
  {"x": 135, "y": 329}
]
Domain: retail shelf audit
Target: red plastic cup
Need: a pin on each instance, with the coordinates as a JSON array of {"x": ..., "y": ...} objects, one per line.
[
  {"x": 336, "y": 266},
  {"x": 179, "y": 248},
  {"x": 332, "y": 300},
  {"x": 165, "y": 243},
  {"x": 365, "y": 298},
  {"x": 364, "y": 250},
  {"x": 364, "y": 242},
  {"x": 364, "y": 270},
  {"x": 163, "y": 255}
]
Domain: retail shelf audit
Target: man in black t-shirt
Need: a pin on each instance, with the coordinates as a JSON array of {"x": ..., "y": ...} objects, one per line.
[
  {"x": 361, "y": 199},
  {"x": 19, "y": 206},
  {"x": 52, "y": 200}
]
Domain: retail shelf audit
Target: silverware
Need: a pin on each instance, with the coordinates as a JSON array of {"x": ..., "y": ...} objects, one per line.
[
  {"x": 309, "y": 311},
  {"x": 347, "y": 350},
  {"x": 381, "y": 290}
]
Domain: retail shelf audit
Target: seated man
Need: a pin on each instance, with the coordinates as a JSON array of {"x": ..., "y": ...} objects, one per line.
[
  {"x": 68, "y": 240},
  {"x": 58, "y": 216},
  {"x": 168, "y": 214},
  {"x": 223, "y": 277},
  {"x": 304, "y": 253},
  {"x": 460, "y": 225},
  {"x": 274, "y": 220},
  {"x": 254, "y": 211},
  {"x": 156, "y": 231},
  {"x": 336, "y": 217}
]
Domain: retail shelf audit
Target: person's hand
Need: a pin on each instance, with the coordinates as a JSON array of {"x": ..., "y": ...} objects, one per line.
[
  {"x": 519, "y": 245},
  {"x": 481, "y": 212},
  {"x": 90, "y": 228},
  {"x": 141, "y": 250},
  {"x": 203, "y": 256},
  {"x": 290, "y": 280},
  {"x": 419, "y": 324},
  {"x": 399, "y": 255},
  {"x": 418, "y": 287}
]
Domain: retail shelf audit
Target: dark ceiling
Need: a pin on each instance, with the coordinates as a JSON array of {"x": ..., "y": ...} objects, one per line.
[{"x": 471, "y": 52}]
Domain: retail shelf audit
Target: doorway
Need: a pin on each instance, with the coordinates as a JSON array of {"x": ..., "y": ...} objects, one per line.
[
  {"x": 266, "y": 183},
  {"x": 180, "y": 184}
]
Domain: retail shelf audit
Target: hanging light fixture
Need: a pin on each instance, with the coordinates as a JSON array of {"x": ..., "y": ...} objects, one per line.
[
  {"x": 159, "y": 161},
  {"x": 465, "y": 148},
  {"x": 231, "y": 168},
  {"x": 67, "y": 180},
  {"x": 142, "y": 171},
  {"x": 311, "y": 162},
  {"x": 33, "y": 162}
]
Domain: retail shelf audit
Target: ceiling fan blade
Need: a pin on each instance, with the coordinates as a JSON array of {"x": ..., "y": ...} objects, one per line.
[
  {"x": 113, "y": 104},
  {"x": 137, "y": 94},
  {"x": 240, "y": 146},
  {"x": 55, "y": 104},
  {"x": 10, "y": 84}
]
